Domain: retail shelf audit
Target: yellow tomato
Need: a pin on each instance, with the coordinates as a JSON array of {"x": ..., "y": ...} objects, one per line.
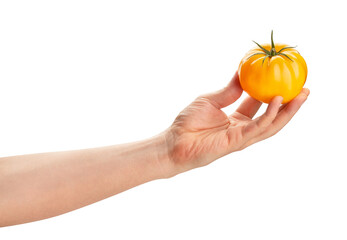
[{"x": 271, "y": 70}]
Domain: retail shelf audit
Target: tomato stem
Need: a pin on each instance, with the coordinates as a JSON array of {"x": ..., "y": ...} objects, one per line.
[{"x": 273, "y": 51}]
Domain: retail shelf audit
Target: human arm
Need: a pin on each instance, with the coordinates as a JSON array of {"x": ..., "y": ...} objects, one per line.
[{"x": 38, "y": 186}]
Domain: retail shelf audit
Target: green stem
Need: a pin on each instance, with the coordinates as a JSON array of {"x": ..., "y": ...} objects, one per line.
[
  {"x": 272, "y": 52},
  {"x": 273, "y": 49}
]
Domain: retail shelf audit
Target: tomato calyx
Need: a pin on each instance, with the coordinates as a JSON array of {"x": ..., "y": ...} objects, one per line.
[{"x": 272, "y": 52}]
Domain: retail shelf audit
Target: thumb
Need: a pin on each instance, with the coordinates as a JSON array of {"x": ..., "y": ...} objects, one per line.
[{"x": 227, "y": 95}]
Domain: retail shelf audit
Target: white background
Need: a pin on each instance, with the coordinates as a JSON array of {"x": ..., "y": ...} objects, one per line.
[{"x": 80, "y": 74}]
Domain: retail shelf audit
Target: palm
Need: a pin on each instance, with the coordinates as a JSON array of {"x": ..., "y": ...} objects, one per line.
[
  {"x": 202, "y": 132},
  {"x": 206, "y": 130}
]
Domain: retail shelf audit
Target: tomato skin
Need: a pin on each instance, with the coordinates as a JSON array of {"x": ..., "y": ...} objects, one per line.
[{"x": 276, "y": 76}]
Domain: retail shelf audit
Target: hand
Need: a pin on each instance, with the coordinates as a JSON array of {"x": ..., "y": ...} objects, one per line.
[{"x": 202, "y": 132}]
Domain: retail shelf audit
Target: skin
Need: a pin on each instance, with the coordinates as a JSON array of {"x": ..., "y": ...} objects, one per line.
[{"x": 39, "y": 186}]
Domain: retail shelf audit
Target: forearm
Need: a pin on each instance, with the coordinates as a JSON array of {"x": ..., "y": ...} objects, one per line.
[{"x": 39, "y": 186}]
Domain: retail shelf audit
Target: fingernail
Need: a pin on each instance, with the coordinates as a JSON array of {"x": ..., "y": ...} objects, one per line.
[
  {"x": 307, "y": 91},
  {"x": 280, "y": 97}
]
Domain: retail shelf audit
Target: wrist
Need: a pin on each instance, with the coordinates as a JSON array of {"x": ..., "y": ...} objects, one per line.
[{"x": 162, "y": 146}]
